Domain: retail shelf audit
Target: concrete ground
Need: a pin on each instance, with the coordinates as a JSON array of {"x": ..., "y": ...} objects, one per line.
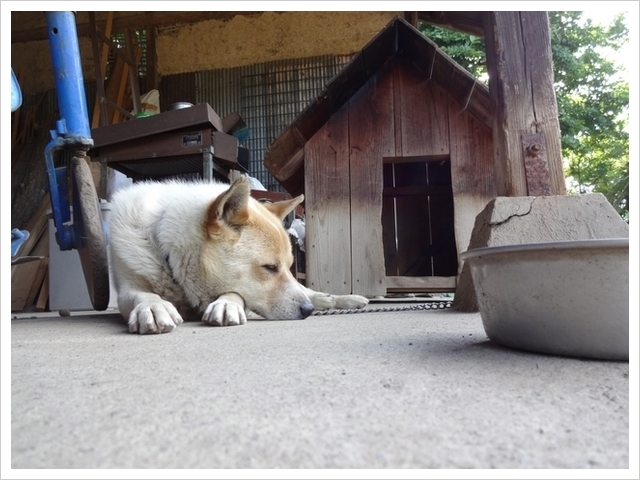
[{"x": 420, "y": 389}]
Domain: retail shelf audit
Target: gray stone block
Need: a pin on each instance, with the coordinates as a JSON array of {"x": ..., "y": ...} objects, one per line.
[{"x": 519, "y": 220}]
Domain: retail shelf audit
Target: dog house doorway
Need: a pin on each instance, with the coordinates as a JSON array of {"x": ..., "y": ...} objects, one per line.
[{"x": 418, "y": 224}]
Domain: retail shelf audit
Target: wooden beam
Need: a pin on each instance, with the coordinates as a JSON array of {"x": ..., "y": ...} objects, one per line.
[
  {"x": 420, "y": 284},
  {"x": 36, "y": 283},
  {"x": 100, "y": 64},
  {"x": 22, "y": 278},
  {"x": 523, "y": 98},
  {"x": 152, "y": 59},
  {"x": 417, "y": 190},
  {"x": 36, "y": 226},
  {"x": 133, "y": 70},
  {"x": 121, "y": 85},
  {"x": 411, "y": 18},
  {"x": 43, "y": 296}
]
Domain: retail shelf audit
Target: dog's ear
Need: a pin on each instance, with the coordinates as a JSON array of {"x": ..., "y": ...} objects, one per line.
[
  {"x": 283, "y": 208},
  {"x": 230, "y": 208}
]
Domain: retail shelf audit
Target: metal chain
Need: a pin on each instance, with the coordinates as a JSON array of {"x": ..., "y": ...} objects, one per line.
[{"x": 404, "y": 308}]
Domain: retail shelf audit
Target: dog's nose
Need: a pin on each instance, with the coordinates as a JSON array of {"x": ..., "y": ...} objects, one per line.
[{"x": 306, "y": 309}]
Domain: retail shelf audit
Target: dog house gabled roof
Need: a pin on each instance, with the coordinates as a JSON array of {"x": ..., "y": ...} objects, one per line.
[{"x": 285, "y": 157}]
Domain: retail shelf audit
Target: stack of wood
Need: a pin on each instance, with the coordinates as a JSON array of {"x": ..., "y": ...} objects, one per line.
[
  {"x": 29, "y": 205},
  {"x": 121, "y": 87},
  {"x": 30, "y": 266}
]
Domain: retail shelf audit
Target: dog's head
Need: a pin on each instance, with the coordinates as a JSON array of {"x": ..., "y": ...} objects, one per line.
[{"x": 248, "y": 251}]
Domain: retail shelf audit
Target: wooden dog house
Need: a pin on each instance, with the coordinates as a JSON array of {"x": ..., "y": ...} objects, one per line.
[{"x": 396, "y": 160}]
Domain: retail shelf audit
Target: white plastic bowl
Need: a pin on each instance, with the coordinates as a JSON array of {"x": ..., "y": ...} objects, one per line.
[{"x": 561, "y": 298}]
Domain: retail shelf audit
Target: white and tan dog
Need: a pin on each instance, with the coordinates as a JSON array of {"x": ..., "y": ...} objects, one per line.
[{"x": 205, "y": 250}]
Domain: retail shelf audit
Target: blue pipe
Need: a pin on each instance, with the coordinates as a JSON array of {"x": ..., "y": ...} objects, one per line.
[
  {"x": 67, "y": 69},
  {"x": 58, "y": 192},
  {"x": 72, "y": 129}
]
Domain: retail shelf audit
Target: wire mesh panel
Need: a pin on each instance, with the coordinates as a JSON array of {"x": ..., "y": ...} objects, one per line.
[
  {"x": 274, "y": 94},
  {"x": 220, "y": 89},
  {"x": 268, "y": 96},
  {"x": 180, "y": 87}
]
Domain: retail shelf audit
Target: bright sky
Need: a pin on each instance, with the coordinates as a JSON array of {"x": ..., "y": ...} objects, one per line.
[{"x": 605, "y": 17}]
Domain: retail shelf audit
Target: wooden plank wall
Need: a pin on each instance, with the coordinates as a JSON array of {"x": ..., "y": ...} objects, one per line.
[
  {"x": 472, "y": 171},
  {"x": 389, "y": 223},
  {"x": 371, "y": 137},
  {"x": 327, "y": 207},
  {"x": 422, "y": 117},
  {"x": 397, "y": 113}
]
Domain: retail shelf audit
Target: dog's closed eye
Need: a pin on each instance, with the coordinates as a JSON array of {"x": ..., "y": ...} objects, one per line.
[{"x": 271, "y": 268}]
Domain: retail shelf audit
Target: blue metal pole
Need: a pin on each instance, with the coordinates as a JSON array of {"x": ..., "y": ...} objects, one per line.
[
  {"x": 72, "y": 130},
  {"x": 67, "y": 69}
]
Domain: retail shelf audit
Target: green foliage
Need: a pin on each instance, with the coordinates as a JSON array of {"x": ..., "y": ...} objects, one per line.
[
  {"x": 467, "y": 50},
  {"x": 592, "y": 96},
  {"x": 593, "y": 102}
]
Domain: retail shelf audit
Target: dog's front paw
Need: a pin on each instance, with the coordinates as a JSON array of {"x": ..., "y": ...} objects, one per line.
[
  {"x": 350, "y": 301},
  {"x": 154, "y": 317},
  {"x": 323, "y": 301},
  {"x": 224, "y": 312},
  {"x": 326, "y": 301}
]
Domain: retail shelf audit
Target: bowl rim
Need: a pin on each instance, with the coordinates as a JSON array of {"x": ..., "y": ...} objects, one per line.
[{"x": 535, "y": 247}]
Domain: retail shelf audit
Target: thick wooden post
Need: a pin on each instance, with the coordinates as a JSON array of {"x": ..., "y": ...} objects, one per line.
[
  {"x": 526, "y": 131},
  {"x": 152, "y": 61}
]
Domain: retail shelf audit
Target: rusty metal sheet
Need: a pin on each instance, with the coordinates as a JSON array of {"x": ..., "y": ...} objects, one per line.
[{"x": 536, "y": 164}]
